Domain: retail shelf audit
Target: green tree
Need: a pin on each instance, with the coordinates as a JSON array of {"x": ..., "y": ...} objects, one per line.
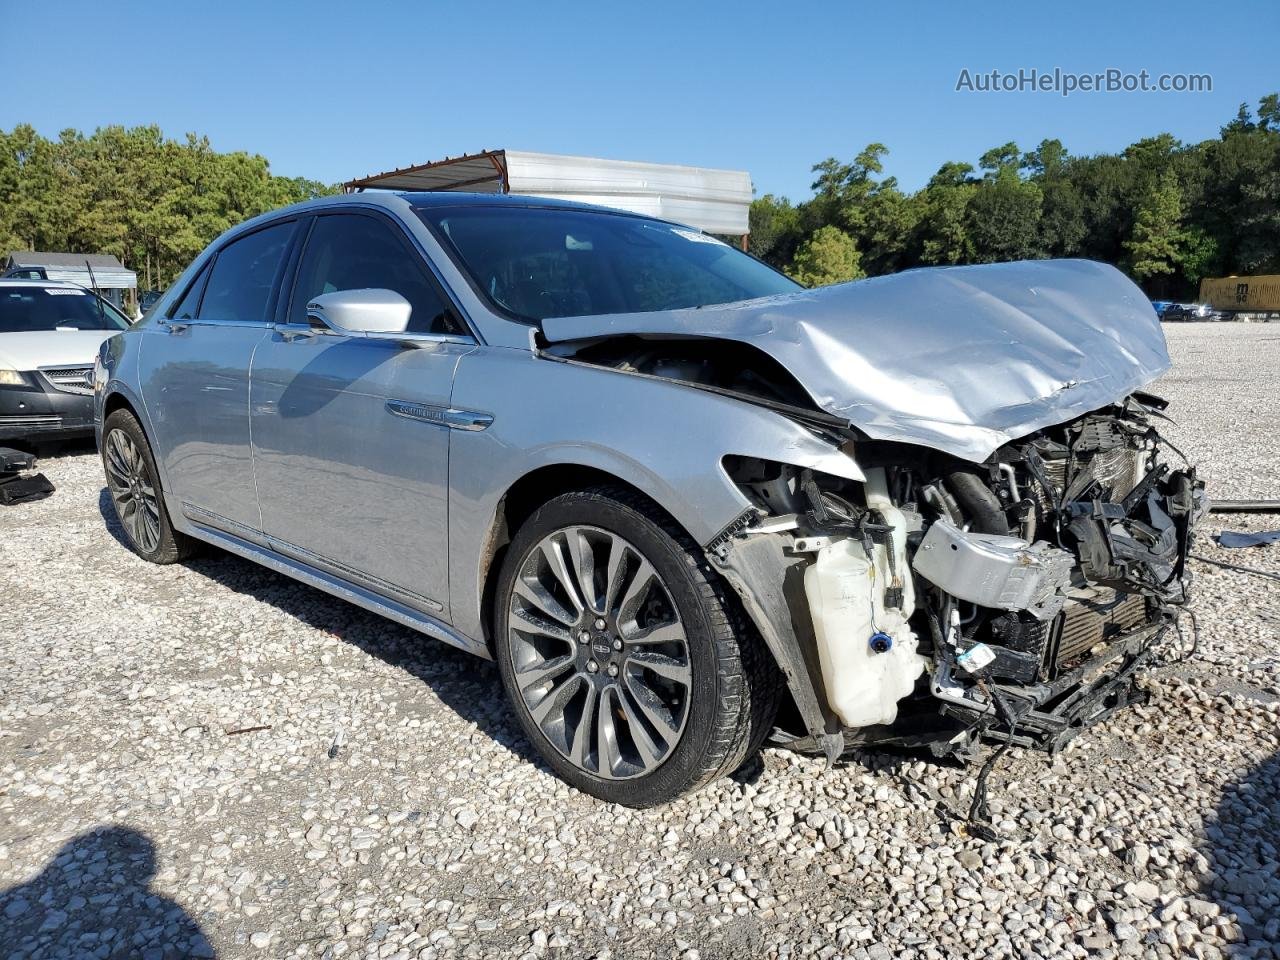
[
  {"x": 942, "y": 232},
  {"x": 1269, "y": 112},
  {"x": 1062, "y": 216},
  {"x": 1200, "y": 256},
  {"x": 828, "y": 256},
  {"x": 1001, "y": 161},
  {"x": 841, "y": 190},
  {"x": 775, "y": 229},
  {"x": 1004, "y": 214},
  {"x": 1158, "y": 238}
]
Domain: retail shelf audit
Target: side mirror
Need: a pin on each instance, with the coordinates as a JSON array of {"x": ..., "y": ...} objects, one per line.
[{"x": 360, "y": 312}]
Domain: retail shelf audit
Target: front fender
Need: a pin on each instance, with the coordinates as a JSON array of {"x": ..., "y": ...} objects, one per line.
[
  {"x": 665, "y": 439},
  {"x": 120, "y": 368}
]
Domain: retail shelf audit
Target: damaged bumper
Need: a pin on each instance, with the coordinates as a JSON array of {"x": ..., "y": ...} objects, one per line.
[{"x": 940, "y": 604}]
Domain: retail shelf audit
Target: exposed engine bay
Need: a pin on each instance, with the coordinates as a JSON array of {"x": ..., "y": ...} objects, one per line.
[{"x": 950, "y": 600}]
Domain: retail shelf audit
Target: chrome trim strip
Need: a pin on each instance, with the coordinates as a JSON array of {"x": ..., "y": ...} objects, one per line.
[
  {"x": 383, "y": 606},
  {"x": 450, "y": 417},
  {"x": 209, "y": 518}
]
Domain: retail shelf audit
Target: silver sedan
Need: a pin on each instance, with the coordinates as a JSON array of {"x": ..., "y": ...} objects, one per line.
[{"x": 683, "y": 503}]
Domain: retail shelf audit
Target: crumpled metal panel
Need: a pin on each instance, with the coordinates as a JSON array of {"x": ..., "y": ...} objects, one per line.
[
  {"x": 960, "y": 359},
  {"x": 1007, "y": 573}
]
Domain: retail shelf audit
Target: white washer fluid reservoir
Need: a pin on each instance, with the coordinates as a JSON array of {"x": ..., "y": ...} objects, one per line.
[{"x": 867, "y": 651}]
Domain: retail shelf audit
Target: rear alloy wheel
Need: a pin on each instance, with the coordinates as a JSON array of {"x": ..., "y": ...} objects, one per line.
[
  {"x": 135, "y": 492},
  {"x": 627, "y": 664}
]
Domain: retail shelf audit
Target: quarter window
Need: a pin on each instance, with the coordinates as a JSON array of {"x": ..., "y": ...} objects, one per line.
[
  {"x": 243, "y": 276},
  {"x": 190, "y": 302},
  {"x": 348, "y": 251}
]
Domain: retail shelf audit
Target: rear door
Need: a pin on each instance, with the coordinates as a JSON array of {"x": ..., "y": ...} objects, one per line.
[
  {"x": 352, "y": 469},
  {"x": 194, "y": 371}
]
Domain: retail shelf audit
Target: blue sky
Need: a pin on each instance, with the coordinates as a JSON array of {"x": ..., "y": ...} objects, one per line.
[{"x": 335, "y": 90}]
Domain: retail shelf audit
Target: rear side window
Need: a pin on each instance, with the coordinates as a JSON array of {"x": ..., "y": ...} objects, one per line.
[
  {"x": 241, "y": 282},
  {"x": 190, "y": 302},
  {"x": 348, "y": 251}
]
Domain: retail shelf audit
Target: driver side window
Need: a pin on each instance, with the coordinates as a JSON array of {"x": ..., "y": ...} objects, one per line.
[{"x": 348, "y": 251}]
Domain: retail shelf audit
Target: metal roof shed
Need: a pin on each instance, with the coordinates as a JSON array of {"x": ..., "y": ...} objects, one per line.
[
  {"x": 716, "y": 201},
  {"x": 108, "y": 272}
]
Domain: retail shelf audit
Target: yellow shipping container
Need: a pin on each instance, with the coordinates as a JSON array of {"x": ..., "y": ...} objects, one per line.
[{"x": 1242, "y": 294}]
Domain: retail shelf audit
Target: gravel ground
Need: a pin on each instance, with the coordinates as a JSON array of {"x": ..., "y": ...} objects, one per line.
[{"x": 212, "y": 759}]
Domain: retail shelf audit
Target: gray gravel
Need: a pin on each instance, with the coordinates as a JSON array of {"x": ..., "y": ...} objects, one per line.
[{"x": 213, "y": 758}]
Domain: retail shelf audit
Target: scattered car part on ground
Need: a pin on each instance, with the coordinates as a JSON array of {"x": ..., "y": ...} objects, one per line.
[
  {"x": 18, "y": 484},
  {"x": 683, "y": 503},
  {"x": 1240, "y": 538},
  {"x": 1245, "y": 506}
]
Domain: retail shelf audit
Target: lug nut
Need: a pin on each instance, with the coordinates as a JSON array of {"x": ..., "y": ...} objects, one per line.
[
  {"x": 592, "y": 666},
  {"x": 617, "y": 644},
  {"x": 600, "y": 624},
  {"x": 613, "y": 669},
  {"x": 584, "y": 636}
]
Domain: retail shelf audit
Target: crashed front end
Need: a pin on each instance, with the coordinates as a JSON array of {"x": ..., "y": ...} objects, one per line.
[
  {"x": 1017, "y": 550},
  {"x": 944, "y": 601}
]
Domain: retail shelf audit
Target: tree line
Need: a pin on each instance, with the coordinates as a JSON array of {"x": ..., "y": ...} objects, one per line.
[
  {"x": 153, "y": 202},
  {"x": 1166, "y": 212}
]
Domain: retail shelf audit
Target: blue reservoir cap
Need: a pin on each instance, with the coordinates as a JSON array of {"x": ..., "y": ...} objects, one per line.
[{"x": 881, "y": 642}]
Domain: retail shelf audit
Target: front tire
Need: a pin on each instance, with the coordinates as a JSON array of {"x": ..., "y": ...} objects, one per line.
[
  {"x": 627, "y": 663},
  {"x": 134, "y": 485}
]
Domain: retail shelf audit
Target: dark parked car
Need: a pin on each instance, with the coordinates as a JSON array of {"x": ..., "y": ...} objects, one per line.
[{"x": 50, "y": 332}]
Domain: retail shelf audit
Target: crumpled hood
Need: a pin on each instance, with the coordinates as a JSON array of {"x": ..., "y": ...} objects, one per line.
[
  {"x": 50, "y": 348},
  {"x": 959, "y": 359}
]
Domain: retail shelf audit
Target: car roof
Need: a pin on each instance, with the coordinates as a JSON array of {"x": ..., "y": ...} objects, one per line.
[
  {"x": 449, "y": 198},
  {"x": 398, "y": 199},
  {"x": 26, "y": 282}
]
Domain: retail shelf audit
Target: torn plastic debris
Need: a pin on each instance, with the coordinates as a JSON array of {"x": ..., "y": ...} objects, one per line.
[
  {"x": 1232, "y": 539},
  {"x": 16, "y": 488}
]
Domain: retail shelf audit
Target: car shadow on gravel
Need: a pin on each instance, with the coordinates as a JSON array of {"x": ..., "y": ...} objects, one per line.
[
  {"x": 94, "y": 899},
  {"x": 466, "y": 684},
  {"x": 108, "y": 511},
  {"x": 1241, "y": 842}
]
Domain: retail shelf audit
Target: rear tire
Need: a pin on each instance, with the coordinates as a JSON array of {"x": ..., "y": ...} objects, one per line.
[
  {"x": 134, "y": 484},
  {"x": 628, "y": 664}
]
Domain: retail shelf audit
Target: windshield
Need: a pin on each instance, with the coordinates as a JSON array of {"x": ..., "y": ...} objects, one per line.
[
  {"x": 538, "y": 262},
  {"x": 36, "y": 309}
]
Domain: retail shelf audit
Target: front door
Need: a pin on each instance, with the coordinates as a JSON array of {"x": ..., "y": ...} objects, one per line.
[
  {"x": 352, "y": 465},
  {"x": 194, "y": 371}
]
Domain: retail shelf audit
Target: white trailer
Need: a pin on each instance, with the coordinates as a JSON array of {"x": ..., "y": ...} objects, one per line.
[{"x": 715, "y": 201}]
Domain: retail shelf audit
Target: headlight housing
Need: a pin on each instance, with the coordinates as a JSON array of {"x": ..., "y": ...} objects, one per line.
[{"x": 12, "y": 378}]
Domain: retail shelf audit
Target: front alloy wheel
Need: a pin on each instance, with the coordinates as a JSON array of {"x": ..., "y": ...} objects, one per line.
[
  {"x": 599, "y": 652},
  {"x": 135, "y": 491},
  {"x": 628, "y": 664},
  {"x": 132, "y": 490}
]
